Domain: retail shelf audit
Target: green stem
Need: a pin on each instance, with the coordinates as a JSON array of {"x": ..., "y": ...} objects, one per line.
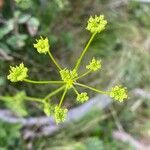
[
  {"x": 4, "y": 98},
  {"x": 83, "y": 75},
  {"x": 84, "y": 51},
  {"x": 54, "y": 92},
  {"x": 75, "y": 90},
  {"x": 91, "y": 88},
  {"x": 43, "y": 82},
  {"x": 34, "y": 99},
  {"x": 54, "y": 61},
  {"x": 62, "y": 98}
]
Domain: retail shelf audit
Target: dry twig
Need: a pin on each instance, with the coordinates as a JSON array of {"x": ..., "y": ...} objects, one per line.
[{"x": 125, "y": 137}]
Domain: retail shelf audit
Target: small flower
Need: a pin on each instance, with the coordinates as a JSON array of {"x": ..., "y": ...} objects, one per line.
[
  {"x": 42, "y": 45},
  {"x": 68, "y": 76},
  {"x": 82, "y": 97},
  {"x": 94, "y": 65},
  {"x": 47, "y": 108},
  {"x": 73, "y": 74},
  {"x": 65, "y": 74},
  {"x": 97, "y": 24},
  {"x": 18, "y": 73},
  {"x": 60, "y": 114},
  {"x": 118, "y": 93}
]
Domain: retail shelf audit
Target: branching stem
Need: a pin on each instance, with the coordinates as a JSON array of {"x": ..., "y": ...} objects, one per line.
[
  {"x": 83, "y": 75},
  {"x": 54, "y": 92},
  {"x": 63, "y": 96},
  {"x": 54, "y": 61},
  {"x": 5, "y": 98},
  {"x": 84, "y": 51},
  {"x": 91, "y": 88},
  {"x": 43, "y": 82},
  {"x": 34, "y": 99},
  {"x": 75, "y": 90}
]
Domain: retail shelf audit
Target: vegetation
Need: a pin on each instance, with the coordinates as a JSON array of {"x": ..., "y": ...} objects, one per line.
[{"x": 123, "y": 49}]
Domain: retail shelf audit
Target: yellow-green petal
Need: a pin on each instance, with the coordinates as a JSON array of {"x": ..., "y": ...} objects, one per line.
[
  {"x": 94, "y": 65},
  {"x": 119, "y": 93},
  {"x": 18, "y": 73},
  {"x": 68, "y": 76},
  {"x": 82, "y": 97},
  {"x": 96, "y": 24},
  {"x": 42, "y": 45},
  {"x": 60, "y": 114}
]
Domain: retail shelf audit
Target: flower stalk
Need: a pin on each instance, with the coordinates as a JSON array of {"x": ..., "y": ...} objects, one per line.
[
  {"x": 54, "y": 61},
  {"x": 43, "y": 82},
  {"x": 84, "y": 51}
]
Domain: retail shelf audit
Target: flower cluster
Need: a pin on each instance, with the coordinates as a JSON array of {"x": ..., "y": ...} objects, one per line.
[
  {"x": 69, "y": 78},
  {"x": 60, "y": 114},
  {"x": 119, "y": 93},
  {"x": 96, "y": 24},
  {"x": 18, "y": 73},
  {"x": 42, "y": 45},
  {"x": 82, "y": 97},
  {"x": 94, "y": 65}
]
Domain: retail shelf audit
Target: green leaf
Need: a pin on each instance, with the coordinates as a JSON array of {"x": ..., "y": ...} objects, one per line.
[
  {"x": 5, "y": 48},
  {"x": 23, "y": 18},
  {"x": 10, "y": 133},
  {"x": 6, "y": 29},
  {"x": 94, "y": 144},
  {"x": 17, "y": 41}
]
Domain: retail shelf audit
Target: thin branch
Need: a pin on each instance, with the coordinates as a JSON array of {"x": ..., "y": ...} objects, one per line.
[
  {"x": 141, "y": 93},
  {"x": 91, "y": 88},
  {"x": 43, "y": 82},
  {"x": 125, "y": 137},
  {"x": 84, "y": 51},
  {"x": 143, "y": 1},
  {"x": 5, "y": 56},
  {"x": 54, "y": 92},
  {"x": 54, "y": 61}
]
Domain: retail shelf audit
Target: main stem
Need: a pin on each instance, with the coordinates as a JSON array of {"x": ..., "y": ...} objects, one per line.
[
  {"x": 91, "y": 88},
  {"x": 54, "y": 61},
  {"x": 84, "y": 51},
  {"x": 43, "y": 82}
]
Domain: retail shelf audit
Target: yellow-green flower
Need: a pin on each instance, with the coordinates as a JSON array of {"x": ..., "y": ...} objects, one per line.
[
  {"x": 94, "y": 65},
  {"x": 82, "y": 97},
  {"x": 18, "y": 73},
  {"x": 96, "y": 24},
  {"x": 119, "y": 93},
  {"x": 60, "y": 114},
  {"x": 42, "y": 45},
  {"x": 68, "y": 76}
]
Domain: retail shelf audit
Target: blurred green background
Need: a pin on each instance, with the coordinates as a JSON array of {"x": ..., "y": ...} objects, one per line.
[{"x": 124, "y": 48}]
